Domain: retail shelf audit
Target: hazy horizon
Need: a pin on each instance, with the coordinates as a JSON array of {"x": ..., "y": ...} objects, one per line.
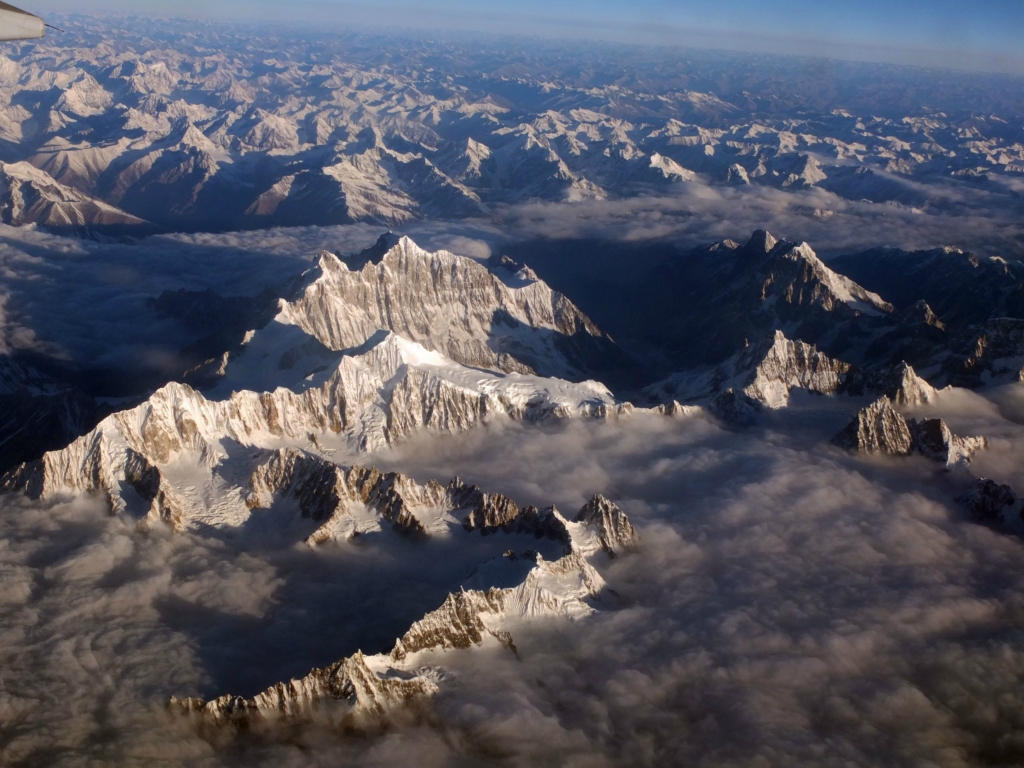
[{"x": 983, "y": 37}]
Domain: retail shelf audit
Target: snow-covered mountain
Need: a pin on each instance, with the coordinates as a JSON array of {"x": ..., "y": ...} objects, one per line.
[
  {"x": 902, "y": 386},
  {"x": 288, "y": 131},
  {"x": 716, "y": 300},
  {"x": 504, "y": 319},
  {"x": 366, "y": 402},
  {"x": 966, "y": 310},
  {"x": 960, "y": 287},
  {"x": 507, "y": 321},
  {"x": 201, "y": 466},
  {"x": 760, "y": 376},
  {"x": 709, "y": 304},
  {"x": 880, "y": 429},
  {"x": 361, "y": 691},
  {"x": 313, "y": 499},
  {"x": 29, "y": 195},
  {"x": 266, "y": 463}
]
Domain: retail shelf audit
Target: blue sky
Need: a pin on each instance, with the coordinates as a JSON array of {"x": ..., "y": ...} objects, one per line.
[{"x": 978, "y": 34}]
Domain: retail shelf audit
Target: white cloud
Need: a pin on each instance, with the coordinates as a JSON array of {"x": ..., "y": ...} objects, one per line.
[
  {"x": 700, "y": 214},
  {"x": 791, "y": 604}
]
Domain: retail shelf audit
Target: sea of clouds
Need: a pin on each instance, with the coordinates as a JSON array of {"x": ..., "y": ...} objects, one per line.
[{"x": 791, "y": 604}]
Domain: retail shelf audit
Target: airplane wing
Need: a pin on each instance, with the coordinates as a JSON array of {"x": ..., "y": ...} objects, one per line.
[{"x": 16, "y": 24}]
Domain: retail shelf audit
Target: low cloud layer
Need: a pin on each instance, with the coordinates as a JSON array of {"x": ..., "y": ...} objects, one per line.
[
  {"x": 791, "y": 605},
  {"x": 700, "y": 214}
]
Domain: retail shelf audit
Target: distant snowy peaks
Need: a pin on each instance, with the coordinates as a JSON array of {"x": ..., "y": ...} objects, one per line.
[
  {"x": 30, "y": 195},
  {"x": 670, "y": 169},
  {"x": 308, "y": 143}
]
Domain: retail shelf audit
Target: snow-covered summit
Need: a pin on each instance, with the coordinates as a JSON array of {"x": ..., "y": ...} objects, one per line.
[
  {"x": 759, "y": 376},
  {"x": 367, "y": 402},
  {"x": 452, "y": 304}
]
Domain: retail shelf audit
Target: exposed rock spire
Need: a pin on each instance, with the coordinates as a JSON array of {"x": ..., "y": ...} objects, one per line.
[{"x": 880, "y": 429}]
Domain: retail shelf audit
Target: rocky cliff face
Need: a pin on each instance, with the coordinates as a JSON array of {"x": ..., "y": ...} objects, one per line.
[
  {"x": 934, "y": 440},
  {"x": 603, "y": 526},
  {"x": 795, "y": 276},
  {"x": 368, "y": 402},
  {"x": 760, "y": 376},
  {"x": 337, "y": 497},
  {"x": 500, "y": 320},
  {"x": 327, "y": 493},
  {"x": 880, "y": 429},
  {"x": 903, "y": 386}
]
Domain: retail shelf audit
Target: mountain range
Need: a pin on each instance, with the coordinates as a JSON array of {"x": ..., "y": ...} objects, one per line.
[
  {"x": 104, "y": 132},
  {"x": 367, "y": 346},
  {"x": 367, "y": 351},
  {"x": 304, "y": 443}
]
